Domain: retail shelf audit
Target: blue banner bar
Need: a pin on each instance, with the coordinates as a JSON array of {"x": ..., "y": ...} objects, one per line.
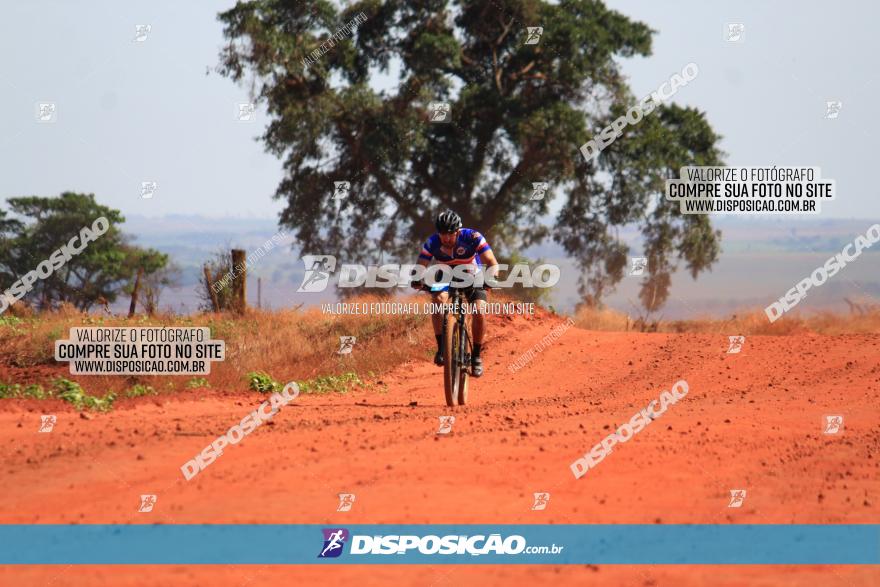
[{"x": 440, "y": 544}]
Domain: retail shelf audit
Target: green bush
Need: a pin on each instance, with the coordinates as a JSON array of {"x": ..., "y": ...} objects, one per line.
[
  {"x": 10, "y": 390},
  {"x": 101, "y": 404},
  {"x": 32, "y": 391},
  {"x": 73, "y": 393},
  {"x": 140, "y": 390},
  {"x": 197, "y": 382},
  {"x": 329, "y": 383},
  {"x": 262, "y": 382},
  {"x": 36, "y": 391}
]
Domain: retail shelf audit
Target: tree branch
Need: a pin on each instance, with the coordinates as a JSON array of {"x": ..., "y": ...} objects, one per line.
[
  {"x": 523, "y": 71},
  {"x": 496, "y": 70},
  {"x": 480, "y": 152},
  {"x": 386, "y": 185},
  {"x": 503, "y": 34},
  {"x": 496, "y": 205}
]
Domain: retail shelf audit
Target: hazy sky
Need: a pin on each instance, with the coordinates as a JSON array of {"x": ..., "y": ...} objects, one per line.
[{"x": 129, "y": 112}]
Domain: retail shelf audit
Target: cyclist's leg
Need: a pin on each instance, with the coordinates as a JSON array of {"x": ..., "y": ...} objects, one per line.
[
  {"x": 436, "y": 317},
  {"x": 478, "y": 296},
  {"x": 437, "y": 322}
]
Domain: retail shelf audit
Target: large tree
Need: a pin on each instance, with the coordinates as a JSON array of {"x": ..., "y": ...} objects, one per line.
[
  {"x": 98, "y": 274},
  {"x": 519, "y": 113}
]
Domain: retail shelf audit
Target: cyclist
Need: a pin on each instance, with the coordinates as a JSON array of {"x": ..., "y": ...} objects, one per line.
[{"x": 454, "y": 245}]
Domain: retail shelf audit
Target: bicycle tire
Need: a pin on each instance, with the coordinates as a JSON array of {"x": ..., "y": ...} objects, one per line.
[
  {"x": 450, "y": 362},
  {"x": 464, "y": 353}
]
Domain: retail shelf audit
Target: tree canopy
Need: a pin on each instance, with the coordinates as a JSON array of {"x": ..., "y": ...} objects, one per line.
[
  {"x": 42, "y": 225},
  {"x": 519, "y": 113}
]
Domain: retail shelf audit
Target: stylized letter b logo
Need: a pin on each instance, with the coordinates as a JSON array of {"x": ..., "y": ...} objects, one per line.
[
  {"x": 334, "y": 540},
  {"x": 318, "y": 270}
]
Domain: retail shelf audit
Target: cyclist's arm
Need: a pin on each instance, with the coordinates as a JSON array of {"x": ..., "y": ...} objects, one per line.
[
  {"x": 425, "y": 258},
  {"x": 484, "y": 250},
  {"x": 488, "y": 257},
  {"x": 417, "y": 283},
  {"x": 425, "y": 255}
]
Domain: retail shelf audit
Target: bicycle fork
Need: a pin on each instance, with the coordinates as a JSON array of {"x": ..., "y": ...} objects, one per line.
[{"x": 463, "y": 338}]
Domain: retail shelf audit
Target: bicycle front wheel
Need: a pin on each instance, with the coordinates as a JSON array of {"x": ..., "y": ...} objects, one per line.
[
  {"x": 451, "y": 367},
  {"x": 463, "y": 351}
]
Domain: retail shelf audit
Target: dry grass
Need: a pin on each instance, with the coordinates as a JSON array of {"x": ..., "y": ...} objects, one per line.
[
  {"x": 753, "y": 322},
  {"x": 301, "y": 345},
  {"x": 287, "y": 344},
  {"x": 602, "y": 319}
]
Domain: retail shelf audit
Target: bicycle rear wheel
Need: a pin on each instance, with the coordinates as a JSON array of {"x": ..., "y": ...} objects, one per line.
[{"x": 451, "y": 368}]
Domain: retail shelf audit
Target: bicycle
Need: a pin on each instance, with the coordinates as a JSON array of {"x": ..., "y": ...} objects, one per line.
[{"x": 457, "y": 344}]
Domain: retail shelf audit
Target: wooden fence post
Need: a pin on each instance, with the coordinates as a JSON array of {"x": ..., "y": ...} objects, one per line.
[{"x": 239, "y": 280}]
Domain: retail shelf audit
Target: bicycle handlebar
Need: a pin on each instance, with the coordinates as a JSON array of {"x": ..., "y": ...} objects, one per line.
[{"x": 423, "y": 287}]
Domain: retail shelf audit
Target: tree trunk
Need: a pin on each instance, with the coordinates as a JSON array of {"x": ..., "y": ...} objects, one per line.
[
  {"x": 209, "y": 282},
  {"x": 132, "y": 308}
]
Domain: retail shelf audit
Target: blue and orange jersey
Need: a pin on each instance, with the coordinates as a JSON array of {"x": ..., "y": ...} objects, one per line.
[{"x": 469, "y": 245}]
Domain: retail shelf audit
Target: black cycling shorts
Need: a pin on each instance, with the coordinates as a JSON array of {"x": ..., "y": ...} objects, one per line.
[
  {"x": 472, "y": 294},
  {"x": 476, "y": 293}
]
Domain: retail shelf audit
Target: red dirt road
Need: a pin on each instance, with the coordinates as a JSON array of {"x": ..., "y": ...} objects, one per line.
[{"x": 751, "y": 421}]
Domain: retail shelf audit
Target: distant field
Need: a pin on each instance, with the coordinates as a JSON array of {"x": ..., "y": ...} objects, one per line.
[{"x": 760, "y": 260}]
